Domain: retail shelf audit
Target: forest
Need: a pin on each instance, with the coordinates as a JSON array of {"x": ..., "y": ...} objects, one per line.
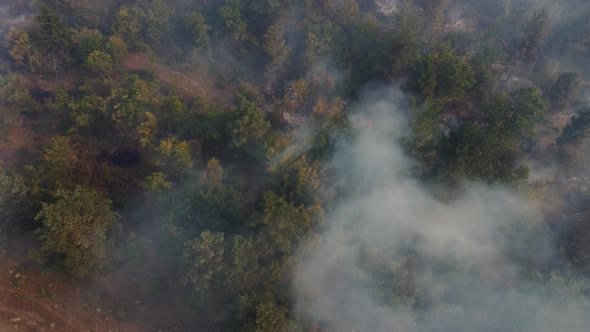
[{"x": 295, "y": 165}]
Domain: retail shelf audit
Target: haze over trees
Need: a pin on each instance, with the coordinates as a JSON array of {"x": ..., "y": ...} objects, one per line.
[{"x": 209, "y": 146}]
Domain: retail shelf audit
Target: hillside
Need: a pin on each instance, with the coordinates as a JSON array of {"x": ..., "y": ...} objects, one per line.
[{"x": 269, "y": 166}]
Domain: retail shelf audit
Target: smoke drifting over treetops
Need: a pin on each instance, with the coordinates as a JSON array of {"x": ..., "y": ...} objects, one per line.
[{"x": 460, "y": 265}]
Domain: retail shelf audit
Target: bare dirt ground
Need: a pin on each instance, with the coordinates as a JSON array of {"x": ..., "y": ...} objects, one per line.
[
  {"x": 13, "y": 140},
  {"x": 46, "y": 301},
  {"x": 196, "y": 83},
  {"x": 33, "y": 298}
]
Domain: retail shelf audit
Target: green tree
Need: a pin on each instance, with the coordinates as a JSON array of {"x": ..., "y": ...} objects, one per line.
[
  {"x": 199, "y": 30},
  {"x": 578, "y": 245},
  {"x": 174, "y": 157},
  {"x": 89, "y": 41},
  {"x": 236, "y": 26},
  {"x": 574, "y": 137},
  {"x": 14, "y": 201},
  {"x": 101, "y": 63},
  {"x": 490, "y": 151},
  {"x": 128, "y": 26},
  {"x": 517, "y": 113},
  {"x": 320, "y": 39},
  {"x": 485, "y": 154},
  {"x": 158, "y": 19},
  {"x": 177, "y": 113},
  {"x": 444, "y": 74},
  {"x": 52, "y": 34},
  {"x": 296, "y": 95},
  {"x": 577, "y": 130},
  {"x": 280, "y": 225},
  {"x": 247, "y": 122},
  {"x": 202, "y": 260},
  {"x": 434, "y": 12},
  {"x": 489, "y": 52},
  {"x": 20, "y": 50},
  {"x": 244, "y": 272},
  {"x": 87, "y": 112},
  {"x": 52, "y": 39},
  {"x": 117, "y": 49},
  {"x": 212, "y": 207},
  {"x": 60, "y": 160},
  {"x": 276, "y": 48},
  {"x": 76, "y": 229},
  {"x": 366, "y": 51},
  {"x": 130, "y": 102},
  {"x": 147, "y": 129},
  {"x": 535, "y": 33},
  {"x": 331, "y": 123},
  {"x": 426, "y": 135},
  {"x": 564, "y": 90},
  {"x": 407, "y": 29},
  {"x": 15, "y": 101},
  {"x": 271, "y": 317},
  {"x": 296, "y": 179},
  {"x": 270, "y": 7},
  {"x": 213, "y": 175},
  {"x": 156, "y": 182},
  {"x": 347, "y": 12}
]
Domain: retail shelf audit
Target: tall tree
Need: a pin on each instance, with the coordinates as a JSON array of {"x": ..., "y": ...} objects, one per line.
[
  {"x": 202, "y": 260},
  {"x": 14, "y": 203},
  {"x": 101, "y": 63},
  {"x": 129, "y": 26},
  {"x": 276, "y": 48},
  {"x": 117, "y": 49},
  {"x": 564, "y": 90},
  {"x": 130, "y": 103},
  {"x": 577, "y": 130},
  {"x": 407, "y": 28},
  {"x": 53, "y": 39},
  {"x": 535, "y": 33},
  {"x": 247, "y": 124},
  {"x": 174, "y": 157},
  {"x": 158, "y": 16},
  {"x": 76, "y": 230},
  {"x": 434, "y": 12},
  {"x": 199, "y": 30},
  {"x": 52, "y": 33},
  {"x": 490, "y": 151},
  {"x": 280, "y": 225},
  {"x": 236, "y": 26},
  {"x": 89, "y": 41},
  {"x": 574, "y": 136},
  {"x": 444, "y": 74},
  {"x": 20, "y": 50}
]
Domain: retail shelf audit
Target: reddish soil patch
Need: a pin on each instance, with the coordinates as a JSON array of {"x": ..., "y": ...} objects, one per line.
[
  {"x": 20, "y": 313},
  {"x": 13, "y": 140},
  {"x": 47, "y": 301},
  {"x": 194, "y": 83}
]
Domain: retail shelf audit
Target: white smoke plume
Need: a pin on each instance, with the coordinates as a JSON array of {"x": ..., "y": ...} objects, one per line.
[{"x": 394, "y": 257}]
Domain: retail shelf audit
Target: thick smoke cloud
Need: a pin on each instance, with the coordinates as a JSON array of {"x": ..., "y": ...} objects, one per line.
[{"x": 456, "y": 264}]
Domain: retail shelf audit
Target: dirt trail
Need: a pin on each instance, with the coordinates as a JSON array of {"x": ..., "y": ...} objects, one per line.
[{"x": 193, "y": 83}]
